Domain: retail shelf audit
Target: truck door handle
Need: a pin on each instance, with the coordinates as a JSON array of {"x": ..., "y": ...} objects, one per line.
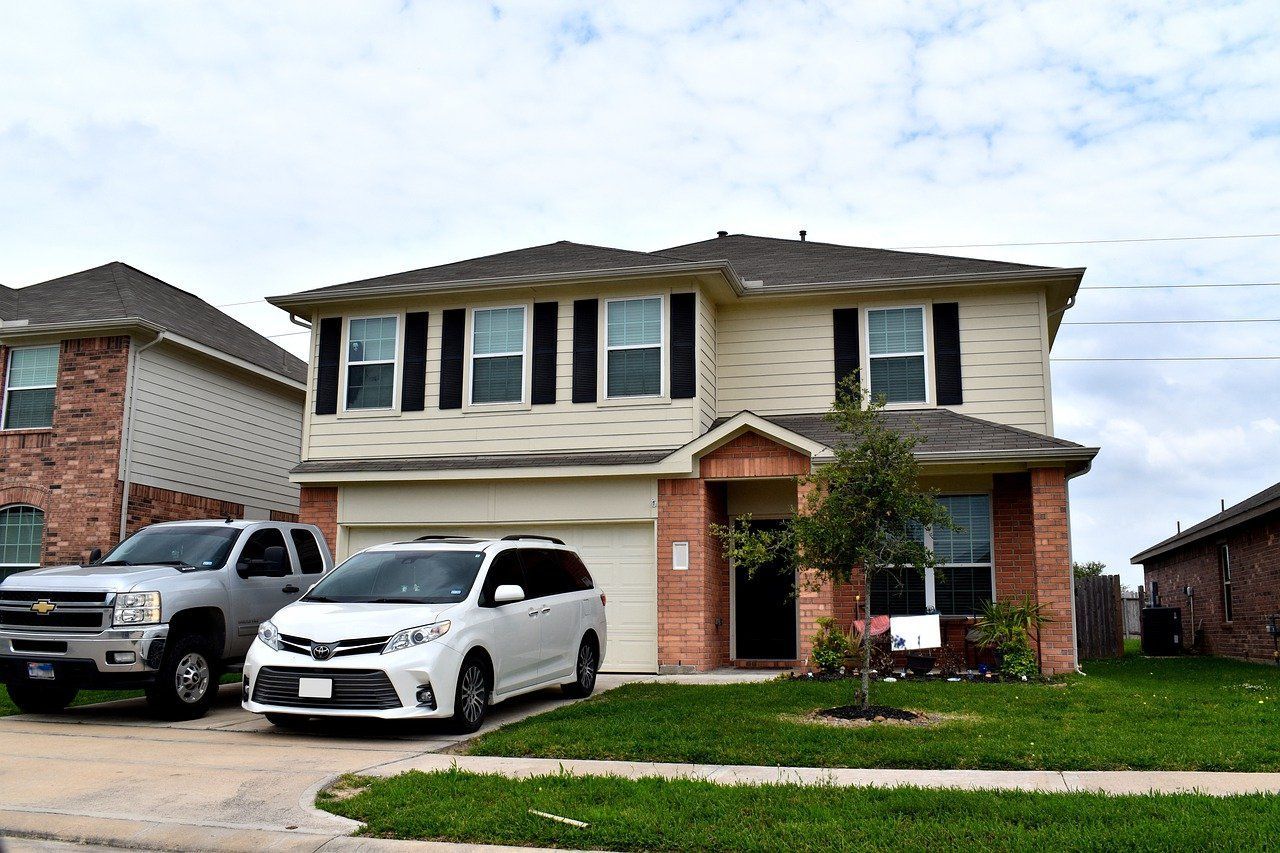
[
  {"x": 533, "y": 613},
  {"x": 546, "y": 610},
  {"x": 291, "y": 589}
]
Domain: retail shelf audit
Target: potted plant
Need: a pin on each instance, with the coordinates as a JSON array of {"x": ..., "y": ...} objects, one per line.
[
  {"x": 921, "y": 663},
  {"x": 1006, "y": 627}
]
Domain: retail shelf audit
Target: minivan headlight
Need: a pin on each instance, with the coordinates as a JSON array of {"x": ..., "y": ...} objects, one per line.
[
  {"x": 136, "y": 608},
  {"x": 269, "y": 634},
  {"x": 411, "y": 637}
]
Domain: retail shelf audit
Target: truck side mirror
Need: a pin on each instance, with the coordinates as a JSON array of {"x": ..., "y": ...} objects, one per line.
[{"x": 95, "y": 556}]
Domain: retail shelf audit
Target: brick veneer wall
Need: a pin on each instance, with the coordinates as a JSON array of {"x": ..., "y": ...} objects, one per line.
[
  {"x": 1254, "y": 548},
  {"x": 319, "y": 506},
  {"x": 753, "y": 455},
  {"x": 71, "y": 470},
  {"x": 693, "y": 604},
  {"x": 150, "y": 505}
]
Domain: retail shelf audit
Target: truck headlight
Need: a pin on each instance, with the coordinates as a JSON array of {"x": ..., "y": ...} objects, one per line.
[
  {"x": 269, "y": 634},
  {"x": 136, "y": 608},
  {"x": 411, "y": 637}
]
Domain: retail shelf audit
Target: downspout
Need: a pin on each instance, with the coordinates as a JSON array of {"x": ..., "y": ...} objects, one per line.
[{"x": 127, "y": 455}]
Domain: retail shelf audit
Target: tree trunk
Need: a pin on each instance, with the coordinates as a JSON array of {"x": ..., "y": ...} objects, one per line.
[{"x": 866, "y": 639}]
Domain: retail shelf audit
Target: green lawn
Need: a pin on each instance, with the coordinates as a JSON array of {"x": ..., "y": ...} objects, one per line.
[
  {"x": 92, "y": 697},
  {"x": 652, "y": 814},
  {"x": 1133, "y": 713}
]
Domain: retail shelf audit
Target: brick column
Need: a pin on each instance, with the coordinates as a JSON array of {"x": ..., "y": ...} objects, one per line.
[
  {"x": 318, "y": 505},
  {"x": 1053, "y": 569},
  {"x": 693, "y": 604},
  {"x": 817, "y": 598}
]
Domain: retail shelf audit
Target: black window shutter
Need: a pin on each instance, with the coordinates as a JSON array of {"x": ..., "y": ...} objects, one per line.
[
  {"x": 546, "y": 317},
  {"x": 946, "y": 353},
  {"x": 684, "y": 369},
  {"x": 586, "y": 340},
  {"x": 413, "y": 382},
  {"x": 452, "y": 330},
  {"x": 844, "y": 322},
  {"x": 327, "y": 366}
]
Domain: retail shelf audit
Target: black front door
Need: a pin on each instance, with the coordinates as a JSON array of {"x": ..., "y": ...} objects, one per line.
[{"x": 764, "y": 612}]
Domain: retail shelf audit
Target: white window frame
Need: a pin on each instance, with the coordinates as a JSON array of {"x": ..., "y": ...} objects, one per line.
[
  {"x": 930, "y": 576},
  {"x": 603, "y": 367},
  {"x": 6, "y": 567},
  {"x": 926, "y": 354},
  {"x": 395, "y": 362},
  {"x": 8, "y": 387},
  {"x": 525, "y": 359}
]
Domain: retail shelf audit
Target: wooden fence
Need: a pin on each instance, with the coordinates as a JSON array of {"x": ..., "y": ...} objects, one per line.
[
  {"x": 1132, "y": 614},
  {"x": 1099, "y": 617}
]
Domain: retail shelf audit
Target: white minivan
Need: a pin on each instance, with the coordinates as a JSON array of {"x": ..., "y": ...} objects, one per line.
[{"x": 440, "y": 627}]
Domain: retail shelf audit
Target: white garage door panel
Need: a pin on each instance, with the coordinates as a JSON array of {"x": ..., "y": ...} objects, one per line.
[{"x": 620, "y": 557}]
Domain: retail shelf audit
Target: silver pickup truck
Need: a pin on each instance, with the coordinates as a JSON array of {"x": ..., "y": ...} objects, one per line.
[{"x": 169, "y": 610}]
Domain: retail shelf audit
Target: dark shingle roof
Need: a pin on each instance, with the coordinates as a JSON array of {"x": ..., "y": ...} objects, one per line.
[
  {"x": 8, "y": 301},
  {"x": 940, "y": 431},
  {"x": 776, "y": 261},
  {"x": 548, "y": 259},
  {"x": 468, "y": 462},
  {"x": 1251, "y": 507},
  {"x": 117, "y": 291}
]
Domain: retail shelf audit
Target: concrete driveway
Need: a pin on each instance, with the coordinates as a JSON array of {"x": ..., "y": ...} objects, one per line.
[{"x": 109, "y": 774}]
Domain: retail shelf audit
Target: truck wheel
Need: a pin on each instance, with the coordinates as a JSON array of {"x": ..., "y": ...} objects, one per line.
[
  {"x": 588, "y": 665},
  {"x": 41, "y": 698},
  {"x": 471, "y": 698},
  {"x": 186, "y": 684}
]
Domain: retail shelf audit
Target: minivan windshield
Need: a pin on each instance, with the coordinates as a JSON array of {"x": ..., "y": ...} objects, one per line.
[
  {"x": 401, "y": 577},
  {"x": 184, "y": 547}
]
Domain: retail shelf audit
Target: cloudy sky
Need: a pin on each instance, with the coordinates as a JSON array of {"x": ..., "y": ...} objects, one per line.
[{"x": 245, "y": 149}]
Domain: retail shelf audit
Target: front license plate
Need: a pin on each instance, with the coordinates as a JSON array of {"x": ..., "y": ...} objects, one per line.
[
  {"x": 41, "y": 671},
  {"x": 315, "y": 688}
]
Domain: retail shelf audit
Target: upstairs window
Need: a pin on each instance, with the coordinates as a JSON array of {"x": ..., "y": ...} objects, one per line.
[
  {"x": 497, "y": 355},
  {"x": 371, "y": 363},
  {"x": 1224, "y": 566},
  {"x": 634, "y": 345},
  {"x": 963, "y": 579},
  {"x": 896, "y": 349},
  {"x": 21, "y": 536},
  {"x": 29, "y": 387}
]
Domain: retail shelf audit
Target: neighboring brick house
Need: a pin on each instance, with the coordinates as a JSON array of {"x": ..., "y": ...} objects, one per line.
[
  {"x": 624, "y": 400},
  {"x": 1231, "y": 562},
  {"x": 125, "y": 401}
]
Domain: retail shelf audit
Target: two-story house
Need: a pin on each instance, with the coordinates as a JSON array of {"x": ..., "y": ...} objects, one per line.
[
  {"x": 623, "y": 401},
  {"x": 125, "y": 401}
]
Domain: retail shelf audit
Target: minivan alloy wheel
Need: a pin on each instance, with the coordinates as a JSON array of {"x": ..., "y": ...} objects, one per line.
[
  {"x": 191, "y": 678},
  {"x": 586, "y": 666},
  {"x": 473, "y": 694}
]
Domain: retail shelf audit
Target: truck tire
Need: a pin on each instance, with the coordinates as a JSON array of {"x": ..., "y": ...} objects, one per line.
[
  {"x": 41, "y": 698},
  {"x": 186, "y": 684}
]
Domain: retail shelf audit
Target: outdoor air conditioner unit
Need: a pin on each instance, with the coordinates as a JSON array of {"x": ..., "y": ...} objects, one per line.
[{"x": 1161, "y": 631}]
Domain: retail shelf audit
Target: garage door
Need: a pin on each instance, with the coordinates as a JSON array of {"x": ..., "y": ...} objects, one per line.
[{"x": 621, "y": 559}]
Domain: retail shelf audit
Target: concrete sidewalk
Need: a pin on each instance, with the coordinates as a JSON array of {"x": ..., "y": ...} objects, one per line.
[{"x": 1044, "y": 781}]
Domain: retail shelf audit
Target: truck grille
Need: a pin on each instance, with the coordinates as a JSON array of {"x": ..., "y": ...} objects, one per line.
[
  {"x": 72, "y": 611},
  {"x": 365, "y": 646},
  {"x": 353, "y": 689}
]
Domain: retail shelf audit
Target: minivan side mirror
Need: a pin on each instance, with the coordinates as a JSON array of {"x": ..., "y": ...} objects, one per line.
[
  {"x": 508, "y": 593},
  {"x": 94, "y": 556}
]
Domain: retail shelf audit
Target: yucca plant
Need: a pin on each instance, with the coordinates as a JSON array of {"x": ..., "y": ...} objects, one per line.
[{"x": 1007, "y": 626}]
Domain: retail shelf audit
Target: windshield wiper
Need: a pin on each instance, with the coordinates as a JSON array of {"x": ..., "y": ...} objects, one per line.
[
  {"x": 115, "y": 563},
  {"x": 396, "y": 601},
  {"x": 319, "y": 598},
  {"x": 179, "y": 564}
]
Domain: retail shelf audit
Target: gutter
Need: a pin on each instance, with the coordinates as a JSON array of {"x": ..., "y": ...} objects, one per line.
[{"x": 126, "y": 473}]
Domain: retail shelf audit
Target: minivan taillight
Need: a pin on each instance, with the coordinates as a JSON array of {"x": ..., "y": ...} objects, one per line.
[{"x": 603, "y": 599}]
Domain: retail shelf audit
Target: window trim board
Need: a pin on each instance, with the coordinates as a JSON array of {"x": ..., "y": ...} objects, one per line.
[
  {"x": 9, "y": 389},
  {"x": 469, "y": 356},
  {"x": 395, "y": 362},
  {"x": 603, "y": 397},
  {"x": 926, "y": 355}
]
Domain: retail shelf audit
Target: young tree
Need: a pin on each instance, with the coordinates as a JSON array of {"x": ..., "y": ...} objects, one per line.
[{"x": 861, "y": 515}]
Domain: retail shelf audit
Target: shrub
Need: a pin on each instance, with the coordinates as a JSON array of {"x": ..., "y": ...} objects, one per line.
[
  {"x": 830, "y": 646},
  {"x": 1020, "y": 659}
]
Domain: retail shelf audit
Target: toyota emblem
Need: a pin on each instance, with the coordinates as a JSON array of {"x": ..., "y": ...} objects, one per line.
[{"x": 321, "y": 651}]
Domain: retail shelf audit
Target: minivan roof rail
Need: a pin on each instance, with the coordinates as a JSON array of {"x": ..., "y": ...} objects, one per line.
[
  {"x": 435, "y": 537},
  {"x": 515, "y": 537}
]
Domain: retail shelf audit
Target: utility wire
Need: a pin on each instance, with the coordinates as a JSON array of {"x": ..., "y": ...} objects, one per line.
[
  {"x": 1090, "y": 242},
  {"x": 1163, "y": 322},
  {"x": 1178, "y": 286},
  {"x": 1180, "y": 358}
]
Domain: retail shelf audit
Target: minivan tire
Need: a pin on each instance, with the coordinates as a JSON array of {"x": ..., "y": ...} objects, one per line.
[
  {"x": 471, "y": 696},
  {"x": 585, "y": 671},
  {"x": 41, "y": 698},
  {"x": 186, "y": 684}
]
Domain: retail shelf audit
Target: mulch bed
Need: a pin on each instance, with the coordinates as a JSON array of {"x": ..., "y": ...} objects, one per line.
[{"x": 875, "y": 713}]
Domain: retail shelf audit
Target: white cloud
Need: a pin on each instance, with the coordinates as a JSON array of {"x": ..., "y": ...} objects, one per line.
[{"x": 246, "y": 149}]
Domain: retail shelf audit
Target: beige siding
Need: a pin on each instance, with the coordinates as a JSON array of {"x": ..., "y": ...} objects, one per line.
[
  {"x": 706, "y": 362},
  {"x": 560, "y": 427},
  {"x": 777, "y": 356},
  {"x": 204, "y": 430}
]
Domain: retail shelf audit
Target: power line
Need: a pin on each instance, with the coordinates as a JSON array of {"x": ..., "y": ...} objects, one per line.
[
  {"x": 1178, "y": 286},
  {"x": 288, "y": 334},
  {"x": 1163, "y": 322},
  {"x": 1090, "y": 242},
  {"x": 1180, "y": 358},
  {"x": 234, "y": 304}
]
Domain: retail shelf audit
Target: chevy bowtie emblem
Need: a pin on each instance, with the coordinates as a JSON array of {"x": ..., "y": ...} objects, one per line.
[
  {"x": 44, "y": 607},
  {"x": 320, "y": 651}
]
